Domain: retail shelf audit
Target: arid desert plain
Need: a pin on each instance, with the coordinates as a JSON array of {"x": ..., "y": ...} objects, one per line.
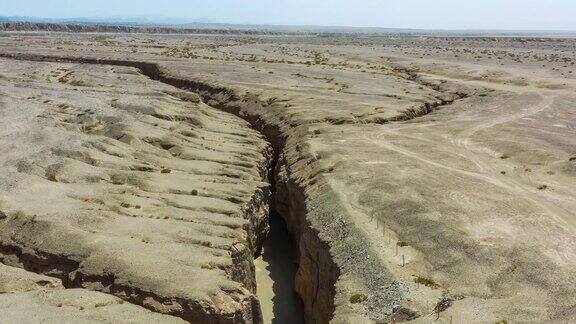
[{"x": 159, "y": 178}]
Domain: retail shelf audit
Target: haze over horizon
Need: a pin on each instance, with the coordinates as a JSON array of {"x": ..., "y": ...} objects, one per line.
[{"x": 415, "y": 14}]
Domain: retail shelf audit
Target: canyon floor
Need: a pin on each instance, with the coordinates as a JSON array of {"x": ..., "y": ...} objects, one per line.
[{"x": 284, "y": 179}]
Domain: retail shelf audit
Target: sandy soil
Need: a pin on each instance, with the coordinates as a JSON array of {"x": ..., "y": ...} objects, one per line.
[
  {"x": 422, "y": 178},
  {"x": 27, "y": 297},
  {"x": 130, "y": 187}
]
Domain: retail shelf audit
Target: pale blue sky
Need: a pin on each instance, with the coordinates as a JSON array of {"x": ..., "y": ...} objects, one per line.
[{"x": 437, "y": 14}]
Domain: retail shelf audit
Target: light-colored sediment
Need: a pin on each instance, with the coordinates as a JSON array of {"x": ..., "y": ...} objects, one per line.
[
  {"x": 123, "y": 185},
  {"x": 27, "y": 297},
  {"x": 423, "y": 179},
  {"x": 14, "y": 280}
]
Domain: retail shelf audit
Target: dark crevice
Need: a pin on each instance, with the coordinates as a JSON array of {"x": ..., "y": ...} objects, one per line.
[
  {"x": 280, "y": 256},
  {"x": 219, "y": 98},
  {"x": 313, "y": 253}
]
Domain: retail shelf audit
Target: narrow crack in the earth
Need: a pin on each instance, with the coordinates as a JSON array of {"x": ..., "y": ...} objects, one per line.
[
  {"x": 66, "y": 269},
  {"x": 225, "y": 99}
]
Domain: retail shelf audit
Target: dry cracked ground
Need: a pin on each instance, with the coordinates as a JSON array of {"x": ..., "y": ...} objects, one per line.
[{"x": 424, "y": 179}]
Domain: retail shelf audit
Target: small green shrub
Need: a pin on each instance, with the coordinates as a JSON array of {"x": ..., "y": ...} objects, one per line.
[
  {"x": 428, "y": 282},
  {"x": 166, "y": 171},
  {"x": 402, "y": 244},
  {"x": 358, "y": 298}
]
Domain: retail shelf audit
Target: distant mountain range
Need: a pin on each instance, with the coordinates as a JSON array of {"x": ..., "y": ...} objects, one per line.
[
  {"x": 131, "y": 21},
  {"x": 179, "y": 25},
  {"x": 203, "y": 23}
]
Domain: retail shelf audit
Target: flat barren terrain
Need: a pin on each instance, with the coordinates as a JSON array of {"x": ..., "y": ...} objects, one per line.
[{"x": 425, "y": 179}]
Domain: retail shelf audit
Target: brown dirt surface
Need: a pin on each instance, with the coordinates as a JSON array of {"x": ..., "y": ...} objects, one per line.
[
  {"x": 118, "y": 184},
  {"x": 422, "y": 178}
]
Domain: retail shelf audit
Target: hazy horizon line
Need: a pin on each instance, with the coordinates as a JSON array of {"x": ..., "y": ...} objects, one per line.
[{"x": 176, "y": 21}]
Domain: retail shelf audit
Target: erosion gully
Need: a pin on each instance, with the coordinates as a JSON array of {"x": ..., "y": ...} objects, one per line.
[{"x": 277, "y": 266}]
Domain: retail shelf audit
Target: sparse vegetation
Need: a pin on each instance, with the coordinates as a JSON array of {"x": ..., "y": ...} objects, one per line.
[
  {"x": 428, "y": 177},
  {"x": 428, "y": 282},
  {"x": 181, "y": 52},
  {"x": 52, "y": 177},
  {"x": 402, "y": 243},
  {"x": 358, "y": 298}
]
